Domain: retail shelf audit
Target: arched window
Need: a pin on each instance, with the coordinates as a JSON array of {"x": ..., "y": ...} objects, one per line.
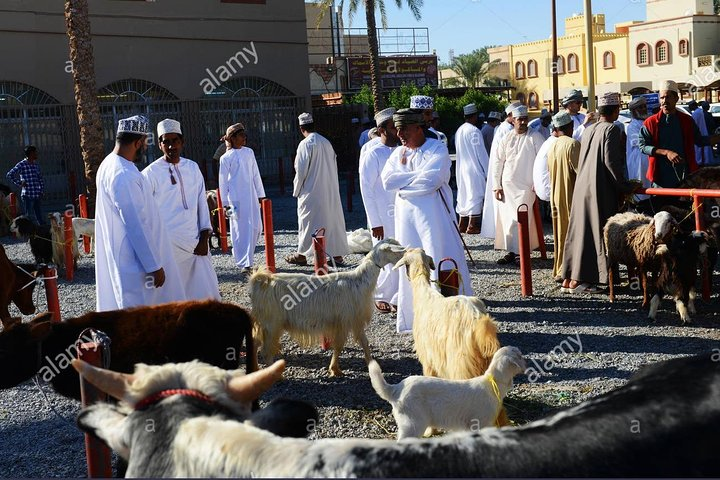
[
  {"x": 683, "y": 48},
  {"x": 532, "y": 68},
  {"x": 572, "y": 63},
  {"x": 533, "y": 100},
  {"x": 16, "y": 93},
  {"x": 560, "y": 65},
  {"x": 133, "y": 90},
  {"x": 662, "y": 52},
  {"x": 520, "y": 97},
  {"x": 608, "y": 60},
  {"x": 643, "y": 54},
  {"x": 519, "y": 70},
  {"x": 251, "y": 87}
]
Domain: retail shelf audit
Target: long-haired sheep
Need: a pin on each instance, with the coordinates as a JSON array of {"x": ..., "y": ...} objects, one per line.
[
  {"x": 57, "y": 230},
  {"x": 419, "y": 402},
  {"x": 455, "y": 338},
  {"x": 209, "y": 331},
  {"x": 39, "y": 238},
  {"x": 310, "y": 306},
  {"x": 631, "y": 239},
  {"x": 678, "y": 262}
]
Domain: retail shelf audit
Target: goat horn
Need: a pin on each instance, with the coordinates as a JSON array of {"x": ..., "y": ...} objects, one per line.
[
  {"x": 246, "y": 388},
  {"x": 113, "y": 383}
]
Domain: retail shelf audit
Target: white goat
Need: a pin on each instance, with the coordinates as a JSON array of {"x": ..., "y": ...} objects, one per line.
[
  {"x": 310, "y": 306},
  {"x": 57, "y": 232},
  {"x": 85, "y": 226},
  {"x": 420, "y": 402}
]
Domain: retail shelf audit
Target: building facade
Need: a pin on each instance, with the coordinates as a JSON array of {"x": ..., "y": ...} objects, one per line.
[{"x": 208, "y": 64}]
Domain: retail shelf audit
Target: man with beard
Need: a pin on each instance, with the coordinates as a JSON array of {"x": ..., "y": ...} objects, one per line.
[
  {"x": 380, "y": 204},
  {"x": 419, "y": 172},
  {"x": 134, "y": 264},
  {"x": 179, "y": 191}
]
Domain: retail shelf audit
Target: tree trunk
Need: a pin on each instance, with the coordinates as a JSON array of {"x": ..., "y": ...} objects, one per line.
[
  {"x": 88, "y": 111},
  {"x": 375, "y": 78}
]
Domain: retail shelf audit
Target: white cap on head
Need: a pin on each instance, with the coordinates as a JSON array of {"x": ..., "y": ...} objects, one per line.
[
  {"x": 520, "y": 111},
  {"x": 495, "y": 115},
  {"x": 511, "y": 107},
  {"x": 561, "y": 119},
  {"x": 669, "y": 85},
  {"x": 469, "y": 109},
  {"x": 168, "y": 126},
  {"x": 637, "y": 102},
  {"x": 421, "y": 102},
  {"x": 136, "y": 124},
  {"x": 609, "y": 99},
  {"x": 305, "y": 119},
  {"x": 384, "y": 115}
]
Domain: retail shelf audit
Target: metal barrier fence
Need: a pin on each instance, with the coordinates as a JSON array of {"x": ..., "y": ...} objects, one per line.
[{"x": 271, "y": 124}]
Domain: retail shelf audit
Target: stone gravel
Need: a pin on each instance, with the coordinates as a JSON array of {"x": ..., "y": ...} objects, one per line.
[{"x": 38, "y": 436}]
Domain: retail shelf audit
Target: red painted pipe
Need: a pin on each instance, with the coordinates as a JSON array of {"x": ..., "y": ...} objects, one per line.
[
  {"x": 51, "y": 292},
  {"x": 321, "y": 267},
  {"x": 539, "y": 228},
  {"x": 269, "y": 234},
  {"x": 223, "y": 226},
  {"x": 680, "y": 192},
  {"x": 13, "y": 205},
  {"x": 99, "y": 460},
  {"x": 69, "y": 260},
  {"x": 82, "y": 202},
  {"x": 524, "y": 246}
]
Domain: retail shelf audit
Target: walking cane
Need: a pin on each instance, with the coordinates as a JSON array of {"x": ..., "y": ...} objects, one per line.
[{"x": 442, "y": 197}]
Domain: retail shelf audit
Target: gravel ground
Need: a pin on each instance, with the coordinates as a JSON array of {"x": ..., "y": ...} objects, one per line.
[{"x": 615, "y": 341}]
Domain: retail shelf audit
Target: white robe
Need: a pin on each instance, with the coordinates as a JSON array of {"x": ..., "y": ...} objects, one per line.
[
  {"x": 380, "y": 211},
  {"x": 578, "y": 127},
  {"x": 541, "y": 172},
  {"x": 488, "y": 219},
  {"x": 318, "y": 192},
  {"x": 240, "y": 189},
  {"x": 637, "y": 162},
  {"x": 471, "y": 165},
  {"x": 441, "y": 136},
  {"x": 130, "y": 241},
  {"x": 513, "y": 172},
  {"x": 422, "y": 218},
  {"x": 703, "y": 155},
  {"x": 184, "y": 210},
  {"x": 539, "y": 127}
]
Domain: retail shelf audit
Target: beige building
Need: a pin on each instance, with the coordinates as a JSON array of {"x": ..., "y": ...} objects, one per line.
[
  {"x": 207, "y": 63},
  {"x": 680, "y": 40}
]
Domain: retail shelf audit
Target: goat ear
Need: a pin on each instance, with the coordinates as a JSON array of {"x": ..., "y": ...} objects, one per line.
[
  {"x": 107, "y": 423},
  {"x": 399, "y": 263},
  {"x": 246, "y": 388},
  {"x": 113, "y": 383},
  {"x": 430, "y": 262}
]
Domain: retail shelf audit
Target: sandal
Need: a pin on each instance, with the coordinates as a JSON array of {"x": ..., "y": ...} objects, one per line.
[
  {"x": 383, "y": 307},
  {"x": 338, "y": 262},
  {"x": 508, "y": 258},
  {"x": 296, "y": 259},
  {"x": 586, "y": 288}
]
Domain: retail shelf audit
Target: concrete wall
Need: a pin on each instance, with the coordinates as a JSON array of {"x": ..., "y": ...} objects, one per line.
[
  {"x": 171, "y": 46},
  {"x": 663, "y": 9}
]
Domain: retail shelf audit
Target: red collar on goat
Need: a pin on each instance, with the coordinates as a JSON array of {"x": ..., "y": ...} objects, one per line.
[{"x": 163, "y": 394}]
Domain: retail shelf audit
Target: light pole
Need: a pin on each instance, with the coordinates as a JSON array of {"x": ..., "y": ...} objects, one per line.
[
  {"x": 589, "y": 55},
  {"x": 556, "y": 94}
]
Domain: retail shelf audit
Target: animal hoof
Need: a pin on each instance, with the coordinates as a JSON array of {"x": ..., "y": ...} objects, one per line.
[{"x": 335, "y": 373}]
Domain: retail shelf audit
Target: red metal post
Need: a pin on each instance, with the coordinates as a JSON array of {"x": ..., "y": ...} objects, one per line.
[
  {"x": 69, "y": 260},
  {"x": 524, "y": 246},
  {"x": 99, "y": 460},
  {"x": 539, "y": 228},
  {"x": 319, "y": 246},
  {"x": 350, "y": 190},
  {"x": 82, "y": 202},
  {"x": 51, "y": 292},
  {"x": 223, "y": 226},
  {"x": 269, "y": 234},
  {"x": 13, "y": 205},
  {"x": 281, "y": 175}
]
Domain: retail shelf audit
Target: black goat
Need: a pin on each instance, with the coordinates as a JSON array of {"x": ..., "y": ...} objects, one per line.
[{"x": 39, "y": 237}]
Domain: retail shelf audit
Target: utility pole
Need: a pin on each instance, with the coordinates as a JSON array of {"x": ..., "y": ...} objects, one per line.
[
  {"x": 556, "y": 94},
  {"x": 590, "y": 56}
]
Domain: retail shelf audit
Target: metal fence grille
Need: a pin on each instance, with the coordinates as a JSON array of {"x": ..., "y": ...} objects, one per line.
[{"x": 271, "y": 124}]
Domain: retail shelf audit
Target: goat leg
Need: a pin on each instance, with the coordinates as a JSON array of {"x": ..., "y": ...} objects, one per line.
[
  {"x": 644, "y": 283},
  {"x": 611, "y": 284},
  {"x": 335, "y": 361}
]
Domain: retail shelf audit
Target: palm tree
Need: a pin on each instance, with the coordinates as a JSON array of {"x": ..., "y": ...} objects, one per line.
[
  {"x": 474, "y": 67},
  {"x": 88, "y": 110},
  {"x": 370, "y": 7}
]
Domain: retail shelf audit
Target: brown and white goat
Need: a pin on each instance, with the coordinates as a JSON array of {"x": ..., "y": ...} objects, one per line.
[{"x": 209, "y": 331}]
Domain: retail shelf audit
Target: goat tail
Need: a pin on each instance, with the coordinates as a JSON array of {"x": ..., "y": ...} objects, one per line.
[
  {"x": 381, "y": 387},
  {"x": 485, "y": 345}
]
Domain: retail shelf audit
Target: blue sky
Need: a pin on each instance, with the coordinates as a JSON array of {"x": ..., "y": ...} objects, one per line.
[{"x": 465, "y": 25}]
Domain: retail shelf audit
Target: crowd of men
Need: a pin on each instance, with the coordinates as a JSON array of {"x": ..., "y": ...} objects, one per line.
[{"x": 582, "y": 164}]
